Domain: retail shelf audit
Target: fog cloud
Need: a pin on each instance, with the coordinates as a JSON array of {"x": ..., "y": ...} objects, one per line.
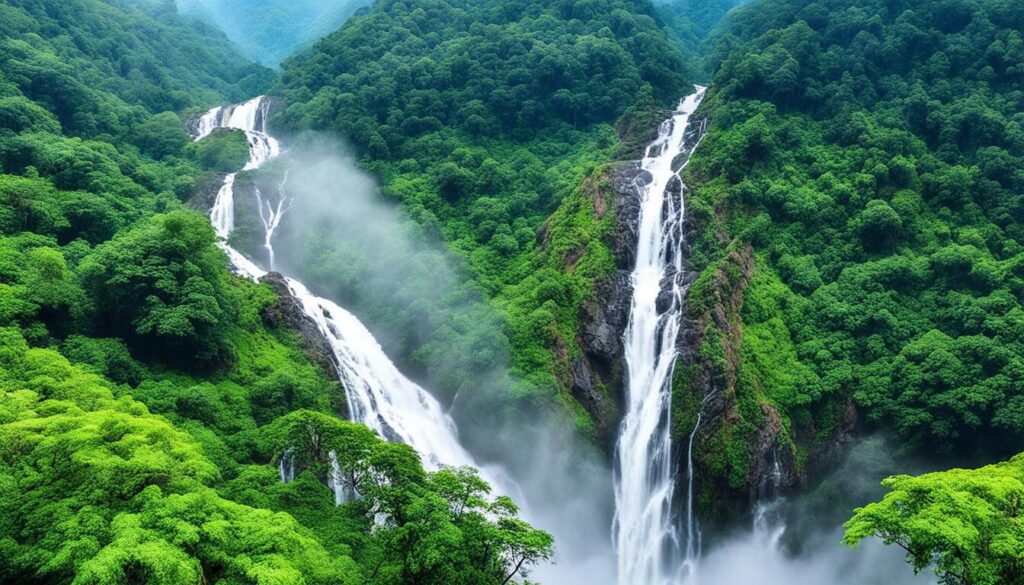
[{"x": 348, "y": 243}]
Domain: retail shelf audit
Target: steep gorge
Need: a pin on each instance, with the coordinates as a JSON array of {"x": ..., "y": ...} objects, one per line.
[{"x": 841, "y": 257}]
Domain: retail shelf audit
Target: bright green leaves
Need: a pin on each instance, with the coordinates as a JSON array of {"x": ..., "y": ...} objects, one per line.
[
  {"x": 30, "y": 204},
  {"x": 965, "y": 523},
  {"x": 879, "y": 188},
  {"x": 126, "y": 59},
  {"x": 99, "y": 491},
  {"x": 20, "y": 114},
  {"x": 308, "y": 438},
  {"x": 879, "y": 226},
  {"x": 401, "y": 72},
  {"x": 161, "y": 135},
  {"x": 433, "y": 528},
  {"x": 939, "y": 388},
  {"x": 40, "y": 293}
]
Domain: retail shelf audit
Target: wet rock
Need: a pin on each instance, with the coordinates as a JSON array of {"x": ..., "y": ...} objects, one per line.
[
  {"x": 664, "y": 302},
  {"x": 585, "y": 388},
  {"x": 830, "y": 452},
  {"x": 287, "y": 312},
  {"x": 596, "y": 377},
  {"x": 628, "y": 182},
  {"x": 674, "y": 187},
  {"x": 604, "y": 320},
  {"x": 204, "y": 192},
  {"x": 771, "y": 465}
]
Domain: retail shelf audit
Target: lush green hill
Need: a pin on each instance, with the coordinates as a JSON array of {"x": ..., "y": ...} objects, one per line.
[
  {"x": 268, "y": 31},
  {"x": 482, "y": 118},
  {"x": 146, "y": 394},
  {"x": 860, "y": 194},
  {"x": 67, "y": 55},
  {"x": 693, "y": 20}
]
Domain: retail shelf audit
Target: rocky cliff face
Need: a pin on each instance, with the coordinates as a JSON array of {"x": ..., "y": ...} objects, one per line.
[
  {"x": 596, "y": 377},
  {"x": 204, "y": 192},
  {"x": 745, "y": 450}
]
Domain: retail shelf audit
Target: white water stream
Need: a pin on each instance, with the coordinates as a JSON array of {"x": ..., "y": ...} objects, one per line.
[
  {"x": 378, "y": 395},
  {"x": 646, "y": 537}
]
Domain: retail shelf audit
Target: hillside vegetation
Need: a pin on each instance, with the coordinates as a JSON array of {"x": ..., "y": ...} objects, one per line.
[
  {"x": 867, "y": 155},
  {"x": 146, "y": 394}
]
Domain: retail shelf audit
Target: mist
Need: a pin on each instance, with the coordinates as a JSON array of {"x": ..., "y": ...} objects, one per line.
[
  {"x": 799, "y": 541},
  {"x": 268, "y": 31},
  {"x": 755, "y": 558},
  {"x": 346, "y": 242}
]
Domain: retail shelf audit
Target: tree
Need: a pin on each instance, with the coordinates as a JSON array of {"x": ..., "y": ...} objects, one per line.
[
  {"x": 163, "y": 285},
  {"x": 879, "y": 226},
  {"x": 433, "y": 528},
  {"x": 160, "y": 135},
  {"x": 968, "y": 524}
]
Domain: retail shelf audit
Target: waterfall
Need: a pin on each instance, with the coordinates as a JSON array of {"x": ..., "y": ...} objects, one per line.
[
  {"x": 378, "y": 395},
  {"x": 286, "y": 467},
  {"x": 646, "y": 538},
  {"x": 271, "y": 216},
  {"x": 693, "y": 535}
]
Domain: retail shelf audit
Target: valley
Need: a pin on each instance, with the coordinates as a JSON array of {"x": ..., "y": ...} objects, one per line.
[{"x": 467, "y": 291}]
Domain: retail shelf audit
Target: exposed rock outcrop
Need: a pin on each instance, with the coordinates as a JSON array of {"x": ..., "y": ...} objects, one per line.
[
  {"x": 602, "y": 324},
  {"x": 204, "y": 192},
  {"x": 287, "y": 312},
  {"x": 628, "y": 182},
  {"x": 597, "y": 376}
]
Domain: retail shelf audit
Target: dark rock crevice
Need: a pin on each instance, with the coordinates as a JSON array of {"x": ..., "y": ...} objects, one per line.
[
  {"x": 597, "y": 375},
  {"x": 204, "y": 191}
]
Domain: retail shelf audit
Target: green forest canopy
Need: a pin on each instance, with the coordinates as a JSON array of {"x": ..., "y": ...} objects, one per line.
[
  {"x": 146, "y": 394},
  {"x": 870, "y": 153}
]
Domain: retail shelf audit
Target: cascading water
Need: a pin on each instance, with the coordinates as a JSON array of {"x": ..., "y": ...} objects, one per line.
[
  {"x": 271, "y": 216},
  {"x": 646, "y": 539},
  {"x": 378, "y": 394}
]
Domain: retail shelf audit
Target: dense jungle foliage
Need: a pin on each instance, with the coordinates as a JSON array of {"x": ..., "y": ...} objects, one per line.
[
  {"x": 863, "y": 162},
  {"x": 481, "y": 118},
  {"x": 964, "y": 524},
  {"x": 98, "y": 65},
  {"x": 146, "y": 394},
  {"x": 866, "y": 155}
]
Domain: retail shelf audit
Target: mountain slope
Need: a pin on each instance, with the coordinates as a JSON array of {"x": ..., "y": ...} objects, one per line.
[
  {"x": 144, "y": 55},
  {"x": 482, "y": 118},
  {"x": 269, "y": 31},
  {"x": 858, "y": 236},
  {"x": 147, "y": 395}
]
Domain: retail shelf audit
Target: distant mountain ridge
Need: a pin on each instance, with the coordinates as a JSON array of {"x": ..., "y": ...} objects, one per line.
[{"x": 267, "y": 31}]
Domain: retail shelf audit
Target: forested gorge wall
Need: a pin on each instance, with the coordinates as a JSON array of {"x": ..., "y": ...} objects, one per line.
[
  {"x": 503, "y": 158},
  {"x": 848, "y": 216}
]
